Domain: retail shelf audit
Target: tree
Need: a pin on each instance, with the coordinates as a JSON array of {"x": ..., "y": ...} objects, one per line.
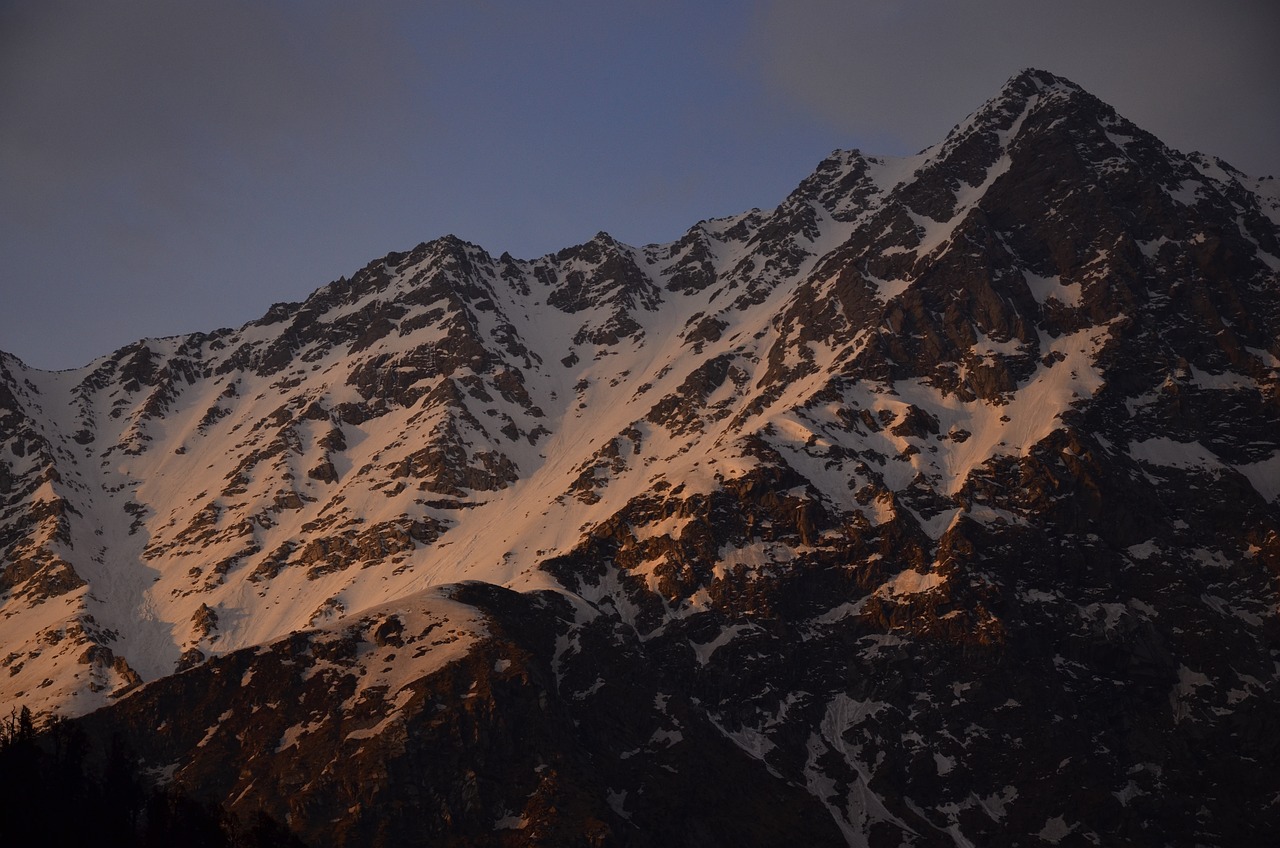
[
  {"x": 20, "y": 780},
  {"x": 18, "y": 728},
  {"x": 123, "y": 793}
]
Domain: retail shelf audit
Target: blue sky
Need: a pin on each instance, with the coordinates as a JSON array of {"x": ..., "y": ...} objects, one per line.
[{"x": 171, "y": 167}]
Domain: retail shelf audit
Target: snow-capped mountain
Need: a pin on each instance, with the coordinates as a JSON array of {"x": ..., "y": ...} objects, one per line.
[{"x": 937, "y": 505}]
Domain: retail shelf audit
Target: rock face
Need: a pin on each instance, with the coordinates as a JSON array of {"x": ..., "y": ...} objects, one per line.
[
  {"x": 453, "y": 718},
  {"x": 936, "y": 506}
]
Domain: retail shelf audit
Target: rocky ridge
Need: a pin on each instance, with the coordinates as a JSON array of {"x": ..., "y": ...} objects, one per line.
[{"x": 936, "y": 505}]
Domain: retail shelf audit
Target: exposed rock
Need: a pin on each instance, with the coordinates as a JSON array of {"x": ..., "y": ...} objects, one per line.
[{"x": 938, "y": 505}]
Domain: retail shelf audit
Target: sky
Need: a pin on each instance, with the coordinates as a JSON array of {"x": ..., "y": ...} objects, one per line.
[{"x": 169, "y": 167}]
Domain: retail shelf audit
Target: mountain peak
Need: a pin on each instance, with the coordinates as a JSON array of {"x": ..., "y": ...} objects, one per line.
[
  {"x": 1015, "y": 98},
  {"x": 1039, "y": 80},
  {"x": 916, "y": 479}
]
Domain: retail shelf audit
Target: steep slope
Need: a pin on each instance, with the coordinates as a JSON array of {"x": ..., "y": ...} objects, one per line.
[{"x": 942, "y": 497}]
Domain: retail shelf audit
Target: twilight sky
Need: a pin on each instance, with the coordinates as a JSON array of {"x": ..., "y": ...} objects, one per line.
[{"x": 167, "y": 167}]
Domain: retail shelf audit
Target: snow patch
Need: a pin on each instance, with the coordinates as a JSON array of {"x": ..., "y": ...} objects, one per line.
[
  {"x": 911, "y": 582},
  {"x": 1173, "y": 454}
]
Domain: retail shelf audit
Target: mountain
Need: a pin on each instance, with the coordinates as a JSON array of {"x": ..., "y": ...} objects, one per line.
[{"x": 936, "y": 506}]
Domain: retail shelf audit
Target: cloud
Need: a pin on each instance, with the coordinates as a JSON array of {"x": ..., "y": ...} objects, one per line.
[
  {"x": 900, "y": 72},
  {"x": 151, "y": 104}
]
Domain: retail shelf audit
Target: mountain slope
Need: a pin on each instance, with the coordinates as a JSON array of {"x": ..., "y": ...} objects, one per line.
[{"x": 942, "y": 497}]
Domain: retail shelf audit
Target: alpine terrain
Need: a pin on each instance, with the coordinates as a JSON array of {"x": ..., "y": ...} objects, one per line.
[{"x": 937, "y": 506}]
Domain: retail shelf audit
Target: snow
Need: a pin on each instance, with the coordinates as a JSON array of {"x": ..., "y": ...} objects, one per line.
[
  {"x": 706, "y": 650},
  {"x": 911, "y": 582},
  {"x": 1268, "y": 359},
  {"x": 1055, "y": 830},
  {"x": 887, "y": 289},
  {"x": 1224, "y": 607},
  {"x": 1264, "y": 476},
  {"x": 1032, "y": 412},
  {"x": 888, "y": 172},
  {"x": 1226, "y": 381},
  {"x": 141, "y": 585},
  {"x": 994, "y": 804},
  {"x": 1108, "y": 614},
  {"x": 511, "y": 821},
  {"x": 855, "y": 810},
  {"x": 751, "y": 741},
  {"x": 1189, "y": 680},
  {"x": 1143, "y": 607},
  {"x": 294, "y": 733},
  {"x": 1044, "y": 288},
  {"x": 617, "y": 801},
  {"x": 141, "y": 581},
  {"x": 666, "y": 738},
  {"x": 1173, "y": 454},
  {"x": 1186, "y": 193},
  {"x": 1143, "y": 550}
]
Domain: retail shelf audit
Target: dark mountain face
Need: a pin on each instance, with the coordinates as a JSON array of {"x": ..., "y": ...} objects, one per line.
[{"x": 937, "y": 506}]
